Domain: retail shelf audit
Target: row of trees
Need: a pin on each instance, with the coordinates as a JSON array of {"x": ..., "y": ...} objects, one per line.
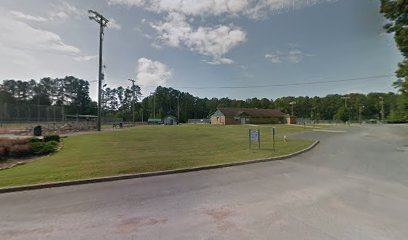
[
  {"x": 397, "y": 14},
  {"x": 167, "y": 101},
  {"x": 73, "y": 93}
]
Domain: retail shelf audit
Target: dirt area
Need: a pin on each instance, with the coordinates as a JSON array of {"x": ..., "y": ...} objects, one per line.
[{"x": 5, "y": 164}]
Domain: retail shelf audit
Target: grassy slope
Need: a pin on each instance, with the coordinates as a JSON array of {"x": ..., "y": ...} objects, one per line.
[{"x": 149, "y": 148}]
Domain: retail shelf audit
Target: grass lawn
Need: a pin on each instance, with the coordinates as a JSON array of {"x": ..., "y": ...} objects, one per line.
[{"x": 150, "y": 148}]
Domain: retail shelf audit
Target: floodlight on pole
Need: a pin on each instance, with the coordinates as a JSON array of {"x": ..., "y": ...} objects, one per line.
[
  {"x": 360, "y": 110},
  {"x": 154, "y": 103},
  {"x": 345, "y": 100},
  {"x": 133, "y": 100},
  {"x": 178, "y": 108},
  {"x": 292, "y": 103},
  {"x": 382, "y": 108},
  {"x": 102, "y": 21}
]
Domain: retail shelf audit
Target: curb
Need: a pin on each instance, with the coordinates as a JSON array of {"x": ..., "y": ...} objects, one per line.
[{"x": 149, "y": 174}]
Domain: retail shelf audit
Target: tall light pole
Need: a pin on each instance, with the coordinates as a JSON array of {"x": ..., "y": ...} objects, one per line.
[
  {"x": 154, "y": 103},
  {"x": 102, "y": 21},
  {"x": 360, "y": 110},
  {"x": 382, "y": 108},
  {"x": 292, "y": 103},
  {"x": 133, "y": 100},
  {"x": 178, "y": 108},
  {"x": 345, "y": 105},
  {"x": 345, "y": 100}
]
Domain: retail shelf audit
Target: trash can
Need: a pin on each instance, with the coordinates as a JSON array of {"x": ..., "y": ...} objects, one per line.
[
  {"x": 37, "y": 131},
  {"x": 120, "y": 125}
]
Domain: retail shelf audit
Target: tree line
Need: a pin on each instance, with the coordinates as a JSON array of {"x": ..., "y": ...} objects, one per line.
[
  {"x": 70, "y": 92},
  {"x": 355, "y": 106},
  {"x": 122, "y": 102},
  {"x": 396, "y": 12}
]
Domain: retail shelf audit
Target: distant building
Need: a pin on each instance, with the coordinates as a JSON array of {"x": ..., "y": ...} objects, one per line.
[
  {"x": 199, "y": 121},
  {"x": 154, "y": 121},
  {"x": 227, "y": 116},
  {"x": 170, "y": 120},
  {"x": 291, "y": 119}
]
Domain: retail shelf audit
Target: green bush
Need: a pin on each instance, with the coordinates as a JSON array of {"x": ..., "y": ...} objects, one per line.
[
  {"x": 52, "y": 138},
  {"x": 34, "y": 139},
  {"x": 37, "y": 147},
  {"x": 50, "y": 146},
  {"x": 40, "y": 148}
]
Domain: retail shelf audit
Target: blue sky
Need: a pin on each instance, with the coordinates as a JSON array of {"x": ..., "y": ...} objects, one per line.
[{"x": 199, "y": 46}]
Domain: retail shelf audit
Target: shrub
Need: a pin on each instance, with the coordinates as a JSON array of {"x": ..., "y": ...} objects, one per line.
[
  {"x": 50, "y": 146},
  {"x": 37, "y": 147},
  {"x": 40, "y": 148},
  {"x": 52, "y": 138},
  {"x": 34, "y": 139}
]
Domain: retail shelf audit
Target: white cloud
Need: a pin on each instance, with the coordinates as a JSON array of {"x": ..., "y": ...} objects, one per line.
[
  {"x": 256, "y": 9},
  {"x": 86, "y": 58},
  {"x": 29, "y": 52},
  {"x": 113, "y": 24},
  {"x": 64, "y": 11},
  {"x": 177, "y": 29},
  {"x": 219, "y": 61},
  {"x": 150, "y": 74},
  {"x": 295, "y": 56},
  {"x": 61, "y": 11},
  {"x": 274, "y": 57},
  {"x": 20, "y": 35},
  {"x": 291, "y": 56},
  {"x": 28, "y": 17},
  {"x": 213, "y": 42}
]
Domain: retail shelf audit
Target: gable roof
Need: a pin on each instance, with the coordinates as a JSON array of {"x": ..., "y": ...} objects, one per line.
[{"x": 253, "y": 112}]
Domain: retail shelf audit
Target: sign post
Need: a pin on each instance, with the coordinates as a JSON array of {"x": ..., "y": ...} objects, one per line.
[
  {"x": 255, "y": 136},
  {"x": 273, "y": 137}
]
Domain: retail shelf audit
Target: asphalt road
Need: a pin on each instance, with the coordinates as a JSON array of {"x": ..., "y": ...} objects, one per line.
[{"x": 354, "y": 185}]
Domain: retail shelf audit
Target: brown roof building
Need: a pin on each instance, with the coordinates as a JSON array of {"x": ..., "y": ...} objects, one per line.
[{"x": 247, "y": 115}]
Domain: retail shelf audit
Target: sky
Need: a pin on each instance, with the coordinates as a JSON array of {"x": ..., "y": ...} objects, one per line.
[{"x": 210, "y": 48}]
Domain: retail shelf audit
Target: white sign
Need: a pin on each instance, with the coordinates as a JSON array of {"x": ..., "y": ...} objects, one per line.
[{"x": 254, "y": 135}]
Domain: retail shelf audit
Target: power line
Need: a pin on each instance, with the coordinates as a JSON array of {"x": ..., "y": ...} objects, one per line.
[
  {"x": 282, "y": 84},
  {"x": 297, "y": 83}
]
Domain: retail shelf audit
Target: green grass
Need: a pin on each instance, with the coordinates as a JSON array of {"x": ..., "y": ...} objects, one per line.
[{"x": 150, "y": 148}]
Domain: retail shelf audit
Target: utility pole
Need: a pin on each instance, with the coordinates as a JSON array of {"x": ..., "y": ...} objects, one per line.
[
  {"x": 382, "y": 108},
  {"x": 345, "y": 105},
  {"x": 292, "y": 103},
  {"x": 154, "y": 103},
  {"x": 102, "y": 21},
  {"x": 345, "y": 100},
  {"x": 178, "y": 109},
  {"x": 360, "y": 110},
  {"x": 133, "y": 100}
]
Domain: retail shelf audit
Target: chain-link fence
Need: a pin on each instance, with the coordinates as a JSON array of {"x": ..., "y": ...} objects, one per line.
[
  {"x": 28, "y": 113},
  {"x": 20, "y": 119}
]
